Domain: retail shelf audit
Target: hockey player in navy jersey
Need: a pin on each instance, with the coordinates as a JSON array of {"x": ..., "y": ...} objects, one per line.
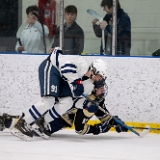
[
  {"x": 86, "y": 110},
  {"x": 60, "y": 76},
  {"x": 81, "y": 112}
]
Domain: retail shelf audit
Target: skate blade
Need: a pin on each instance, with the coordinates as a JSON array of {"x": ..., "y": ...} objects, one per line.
[
  {"x": 36, "y": 129},
  {"x": 15, "y": 132}
]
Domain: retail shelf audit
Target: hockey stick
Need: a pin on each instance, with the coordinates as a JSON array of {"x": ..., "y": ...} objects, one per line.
[
  {"x": 94, "y": 14},
  {"x": 97, "y": 16},
  {"x": 142, "y": 134},
  {"x": 148, "y": 128},
  {"x": 20, "y": 29}
]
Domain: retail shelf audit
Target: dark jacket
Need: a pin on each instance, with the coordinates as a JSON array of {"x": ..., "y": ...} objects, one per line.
[
  {"x": 123, "y": 32},
  {"x": 73, "y": 39}
]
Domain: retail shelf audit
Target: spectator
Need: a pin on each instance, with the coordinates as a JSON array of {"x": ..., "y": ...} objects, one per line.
[
  {"x": 73, "y": 33},
  {"x": 123, "y": 29},
  {"x": 32, "y": 36}
]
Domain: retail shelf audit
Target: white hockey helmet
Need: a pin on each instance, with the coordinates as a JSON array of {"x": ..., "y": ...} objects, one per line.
[{"x": 99, "y": 66}]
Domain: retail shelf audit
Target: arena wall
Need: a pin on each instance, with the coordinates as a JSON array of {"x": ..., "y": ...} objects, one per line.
[{"x": 133, "y": 82}]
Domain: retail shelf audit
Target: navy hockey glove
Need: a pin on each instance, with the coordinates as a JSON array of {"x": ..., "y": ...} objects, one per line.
[
  {"x": 90, "y": 107},
  {"x": 119, "y": 128},
  {"x": 101, "y": 128},
  {"x": 78, "y": 88}
]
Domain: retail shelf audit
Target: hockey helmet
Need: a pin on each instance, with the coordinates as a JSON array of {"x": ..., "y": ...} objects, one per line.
[
  {"x": 98, "y": 84},
  {"x": 101, "y": 83},
  {"x": 99, "y": 66}
]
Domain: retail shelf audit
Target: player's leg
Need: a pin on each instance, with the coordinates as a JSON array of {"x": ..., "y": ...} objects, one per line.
[
  {"x": 65, "y": 120},
  {"x": 53, "y": 117},
  {"x": 81, "y": 127},
  {"x": 80, "y": 122},
  {"x": 49, "y": 79},
  {"x": 52, "y": 121}
]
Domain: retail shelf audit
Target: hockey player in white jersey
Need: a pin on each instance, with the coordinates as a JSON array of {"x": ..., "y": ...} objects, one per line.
[
  {"x": 59, "y": 76},
  {"x": 96, "y": 72}
]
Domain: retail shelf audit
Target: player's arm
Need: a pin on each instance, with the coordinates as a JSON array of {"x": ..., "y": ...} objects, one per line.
[
  {"x": 69, "y": 71},
  {"x": 107, "y": 121}
]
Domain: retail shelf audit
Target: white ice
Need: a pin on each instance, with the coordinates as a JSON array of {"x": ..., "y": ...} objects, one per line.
[{"x": 67, "y": 145}]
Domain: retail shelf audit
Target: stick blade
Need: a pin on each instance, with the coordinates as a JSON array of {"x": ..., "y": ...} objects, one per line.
[
  {"x": 94, "y": 14},
  {"x": 145, "y": 131}
]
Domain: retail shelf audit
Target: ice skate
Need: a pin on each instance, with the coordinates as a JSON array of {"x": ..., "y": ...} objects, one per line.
[
  {"x": 10, "y": 121},
  {"x": 22, "y": 130},
  {"x": 40, "y": 128}
]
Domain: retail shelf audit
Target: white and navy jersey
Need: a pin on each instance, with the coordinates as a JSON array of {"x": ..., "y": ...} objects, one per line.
[
  {"x": 79, "y": 102},
  {"x": 70, "y": 67},
  {"x": 88, "y": 86}
]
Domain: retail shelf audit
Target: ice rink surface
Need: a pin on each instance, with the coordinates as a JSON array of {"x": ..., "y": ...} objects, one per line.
[{"x": 67, "y": 145}]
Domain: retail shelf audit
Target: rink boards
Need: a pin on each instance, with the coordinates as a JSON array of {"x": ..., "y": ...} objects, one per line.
[{"x": 133, "y": 83}]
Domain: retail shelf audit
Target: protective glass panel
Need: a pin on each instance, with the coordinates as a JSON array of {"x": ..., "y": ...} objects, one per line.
[{"x": 138, "y": 30}]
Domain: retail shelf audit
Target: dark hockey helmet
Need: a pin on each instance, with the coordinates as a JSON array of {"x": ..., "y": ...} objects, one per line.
[{"x": 99, "y": 84}]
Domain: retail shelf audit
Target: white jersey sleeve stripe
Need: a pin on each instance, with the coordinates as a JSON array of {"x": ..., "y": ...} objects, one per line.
[
  {"x": 69, "y": 68},
  {"x": 48, "y": 78},
  {"x": 68, "y": 71},
  {"x": 69, "y": 65},
  {"x": 45, "y": 70}
]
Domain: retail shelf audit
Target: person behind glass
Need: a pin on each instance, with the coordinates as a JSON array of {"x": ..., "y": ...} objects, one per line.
[
  {"x": 73, "y": 33},
  {"x": 32, "y": 35},
  {"x": 123, "y": 29}
]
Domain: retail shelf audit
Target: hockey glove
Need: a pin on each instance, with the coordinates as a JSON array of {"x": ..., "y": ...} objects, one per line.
[
  {"x": 119, "y": 128},
  {"x": 90, "y": 107},
  {"x": 78, "y": 88},
  {"x": 101, "y": 128}
]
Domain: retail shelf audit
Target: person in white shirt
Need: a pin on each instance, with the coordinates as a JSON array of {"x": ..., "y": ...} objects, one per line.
[{"x": 32, "y": 36}]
